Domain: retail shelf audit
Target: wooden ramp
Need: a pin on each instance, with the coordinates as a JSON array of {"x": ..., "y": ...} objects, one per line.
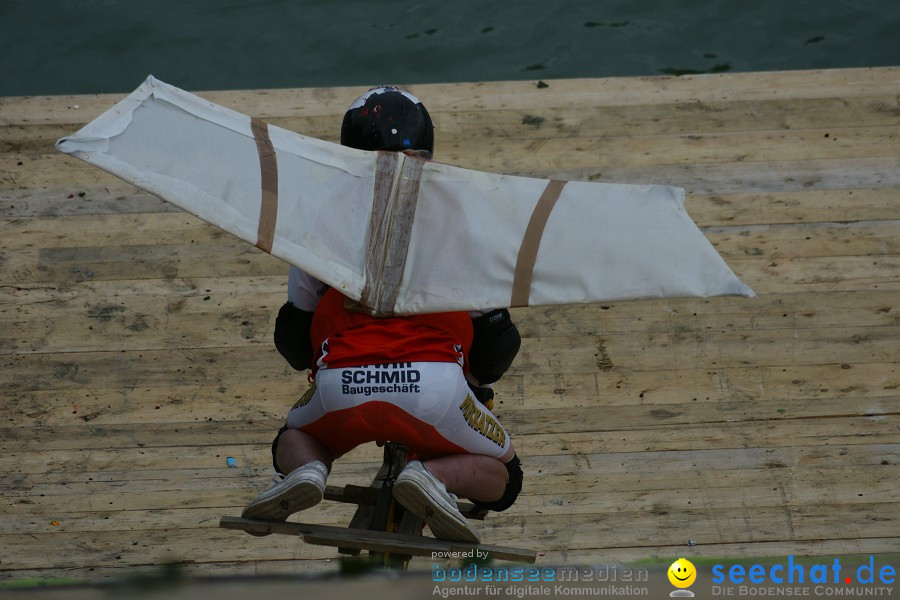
[{"x": 136, "y": 353}]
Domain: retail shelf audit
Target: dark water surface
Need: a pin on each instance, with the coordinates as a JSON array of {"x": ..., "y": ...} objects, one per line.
[{"x": 86, "y": 46}]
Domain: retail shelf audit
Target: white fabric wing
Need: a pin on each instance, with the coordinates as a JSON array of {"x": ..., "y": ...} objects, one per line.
[{"x": 397, "y": 233}]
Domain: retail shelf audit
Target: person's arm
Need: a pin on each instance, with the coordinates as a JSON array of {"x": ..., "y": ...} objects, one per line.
[
  {"x": 304, "y": 290},
  {"x": 292, "y": 325}
]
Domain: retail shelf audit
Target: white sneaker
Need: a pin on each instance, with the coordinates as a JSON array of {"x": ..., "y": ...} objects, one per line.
[
  {"x": 427, "y": 498},
  {"x": 302, "y": 488}
]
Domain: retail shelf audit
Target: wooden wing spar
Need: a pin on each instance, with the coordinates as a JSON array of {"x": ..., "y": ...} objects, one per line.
[{"x": 397, "y": 233}]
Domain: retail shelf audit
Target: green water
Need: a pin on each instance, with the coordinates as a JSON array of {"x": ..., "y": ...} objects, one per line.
[{"x": 85, "y": 46}]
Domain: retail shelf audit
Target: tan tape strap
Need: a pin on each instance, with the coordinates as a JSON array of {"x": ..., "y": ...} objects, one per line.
[
  {"x": 401, "y": 231},
  {"x": 268, "y": 167},
  {"x": 531, "y": 241},
  {"x": 394, "y": 203},
  {"x": 385, "y": 168}
]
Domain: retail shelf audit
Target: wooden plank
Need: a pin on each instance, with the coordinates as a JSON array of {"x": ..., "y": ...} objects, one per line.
[
  {"x": 730, "y": 389},
  {"x": 513, "y": 95},
  {"x": 48, "y": 237},
  {"x": 571, "y": 416},
  {"x": 558, "y": 416},
  {"x": 711, "y": 178},
  {"x": 207, "y": 317},
  {"x": 659, "y": 350},
  {"x": 639, "y": 120},
  {"x": 664, "y": 150},
  {"x": 591, "y": 439},
  {"x": 141, "y": 290},
  {"x": 813, "y": 275},
  {"x": 769, "y": 311},
  {"x": 845, "y": 205},
  {"x": 736, "y": 208},
  {"x": 80, "y": 231},
  {"x": 189, "y": 309},
  {"x": 549, "y": 489},
  {"x": 752, "y": 524},
  {"x": 378, "y": 541},
  {"x": 609, "y": 351},
  {"x": 132, "y": 369},
  {"x": 706, "y": 525},
  {"x": 630, "y": 468},
  {"x": 612, "y": 118},
  {"x": 573, "y": 155},
  {"x": 877, "y": 238},
  {"x": 112, "y": 197},
  {"x": 811, "y": 175},
  {"x": 842, "y": 431},
  {"x": 132, "y": 331},
  {"x": 513, "y": 124},
  {"x": 230, "y": 258},
  {"x": 58, "y": 507},
  {"x": 734, "y": 389},
  {"x": 655, "y": 90}
]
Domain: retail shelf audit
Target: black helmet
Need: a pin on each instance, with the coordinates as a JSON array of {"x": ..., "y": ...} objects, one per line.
[{"x": 387, "y": 118}]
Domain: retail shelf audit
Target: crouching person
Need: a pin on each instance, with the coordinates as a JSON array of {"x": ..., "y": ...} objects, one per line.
[
  {"x": 422, "y": 381},
  {"x": 399, "y": 379}
]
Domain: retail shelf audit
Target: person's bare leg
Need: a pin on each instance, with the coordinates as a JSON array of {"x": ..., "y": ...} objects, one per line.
[
  {"x": 296, "y": 448},
  {"x": 472, "y": 476},
  {"x": 297, "y": 489}
]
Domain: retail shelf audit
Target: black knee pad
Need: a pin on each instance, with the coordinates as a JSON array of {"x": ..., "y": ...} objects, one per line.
[{"x": 513, "y": 487}]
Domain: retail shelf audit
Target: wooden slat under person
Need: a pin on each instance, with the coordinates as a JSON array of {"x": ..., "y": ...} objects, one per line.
[{"x": 136, "y": 353}]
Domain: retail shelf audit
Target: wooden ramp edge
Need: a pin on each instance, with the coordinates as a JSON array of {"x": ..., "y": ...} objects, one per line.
[{"x": 377, "y": 541}]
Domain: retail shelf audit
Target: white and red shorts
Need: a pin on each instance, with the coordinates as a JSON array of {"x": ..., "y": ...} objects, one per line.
[{"x": 426, "y": 406}]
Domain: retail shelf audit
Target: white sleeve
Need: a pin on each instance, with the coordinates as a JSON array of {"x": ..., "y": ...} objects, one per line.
[{"x": 304, "y": 290}]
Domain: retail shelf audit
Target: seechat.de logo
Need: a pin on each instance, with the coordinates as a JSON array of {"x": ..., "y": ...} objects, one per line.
[{"x": 792, "y": 573}]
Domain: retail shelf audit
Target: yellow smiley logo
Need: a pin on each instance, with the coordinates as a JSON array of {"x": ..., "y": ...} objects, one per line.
[{"x": 682, "y": 573}]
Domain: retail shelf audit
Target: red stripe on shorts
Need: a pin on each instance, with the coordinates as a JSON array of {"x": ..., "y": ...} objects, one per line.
[{"x": 343, "y": 430}]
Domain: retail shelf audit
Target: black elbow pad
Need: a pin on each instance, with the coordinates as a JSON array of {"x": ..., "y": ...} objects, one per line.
[
  {"x": 292, "y": 336},
  {"x": 495, "y": 343}
]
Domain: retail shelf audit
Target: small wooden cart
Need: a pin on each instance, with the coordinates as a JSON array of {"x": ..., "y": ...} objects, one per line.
[{"x": 381, "y": 526}]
